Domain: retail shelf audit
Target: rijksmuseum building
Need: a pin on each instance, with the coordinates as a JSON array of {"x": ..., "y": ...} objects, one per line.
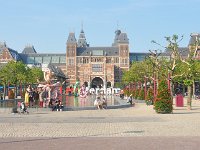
[{"x": 92, "y": 66}]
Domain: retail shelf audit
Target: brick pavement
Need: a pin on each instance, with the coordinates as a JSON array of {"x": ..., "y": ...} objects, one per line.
[
  {"x": 139, "y": 121},
  {"x": 101, "y": 143}
]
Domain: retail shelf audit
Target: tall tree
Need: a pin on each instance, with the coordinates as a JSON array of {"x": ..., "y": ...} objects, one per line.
[
  {"x": 181, "y": 66},
  {"x": 16, "y": 73},
  {"x": 35, "y": 75},
  {"x": 136, "y": 73}
]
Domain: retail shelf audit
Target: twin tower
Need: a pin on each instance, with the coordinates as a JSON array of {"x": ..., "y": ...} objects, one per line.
[{"x": 97, "y": 67}]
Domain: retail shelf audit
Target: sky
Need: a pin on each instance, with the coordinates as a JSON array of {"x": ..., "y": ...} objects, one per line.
[{"x": 45, "y": 24}]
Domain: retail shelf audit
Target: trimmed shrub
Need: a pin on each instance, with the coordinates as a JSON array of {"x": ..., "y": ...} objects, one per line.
[{"x": 163, "y": 102}]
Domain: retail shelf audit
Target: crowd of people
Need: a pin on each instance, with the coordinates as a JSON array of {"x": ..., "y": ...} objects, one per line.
[
  {"x": 48, "y": 95},
  {"x": 44, "y": 95}
]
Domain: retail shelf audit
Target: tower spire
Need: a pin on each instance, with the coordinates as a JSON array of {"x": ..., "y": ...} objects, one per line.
[
  {"x": 82, "y": 40},
  {"x": 82, "y": 25}
]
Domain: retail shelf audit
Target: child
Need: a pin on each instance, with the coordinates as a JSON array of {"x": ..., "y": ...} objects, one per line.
[{"x": 23, "y": 108}]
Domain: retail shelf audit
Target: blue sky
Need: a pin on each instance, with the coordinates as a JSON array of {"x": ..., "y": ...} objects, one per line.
[{"x": 47, "y": 23}]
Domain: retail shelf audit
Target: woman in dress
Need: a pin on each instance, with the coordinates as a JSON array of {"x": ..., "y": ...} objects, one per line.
[{"x": 26, "y": 100}]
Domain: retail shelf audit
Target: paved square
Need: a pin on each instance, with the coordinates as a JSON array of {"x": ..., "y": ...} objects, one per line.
[{"x": 136, "y": 123}]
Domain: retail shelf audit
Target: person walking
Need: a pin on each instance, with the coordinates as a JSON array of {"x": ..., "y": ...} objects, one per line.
[{"x": 130, "y": 100}]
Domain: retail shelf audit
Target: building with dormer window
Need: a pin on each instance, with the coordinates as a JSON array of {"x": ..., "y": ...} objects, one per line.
[
  {"x": 93, "y": 66},
  {"x": 97, "y": 66}
]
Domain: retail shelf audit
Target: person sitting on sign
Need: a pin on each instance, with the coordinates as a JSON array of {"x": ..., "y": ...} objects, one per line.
[{"x": 98, "y": 103}]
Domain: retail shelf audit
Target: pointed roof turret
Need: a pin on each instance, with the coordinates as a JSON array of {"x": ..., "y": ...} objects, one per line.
[
  {"x": 71, "y": 38},
  {"x": 82, "y": 40}
]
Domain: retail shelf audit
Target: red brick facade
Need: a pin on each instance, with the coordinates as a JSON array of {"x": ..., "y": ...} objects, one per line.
[
  {"x": 5, "y": 56},
  {"x": 85, "y": 67}
]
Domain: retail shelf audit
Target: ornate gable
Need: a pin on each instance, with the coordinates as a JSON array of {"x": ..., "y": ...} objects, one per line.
[{"x": 5, "y": 55}]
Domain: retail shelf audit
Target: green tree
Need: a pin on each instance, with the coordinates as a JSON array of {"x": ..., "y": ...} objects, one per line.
[
  {"x": 150, "y": 97},
  {"x": 4, "y": 76},
  {"x": 16, "y": 73},
  {"x": 174, "y": 57},
  {"x": 183, "y": 68},
  {"x": 163, "y": 102},
  {"x": 35, "y": 75},
  {"x": 189, "y": 69},
  {"x": 190, "y": 73},
  {"x": 136, "y": 73},
  {"x": 141, "y": 94},
  {"x": 13, "y": 73}
]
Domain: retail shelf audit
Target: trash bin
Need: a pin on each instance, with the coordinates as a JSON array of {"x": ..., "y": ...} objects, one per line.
[{"x": 179, "y": 100}]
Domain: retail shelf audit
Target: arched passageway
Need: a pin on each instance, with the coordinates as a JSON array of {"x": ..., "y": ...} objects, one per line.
[{"x": 97, "y": 82}]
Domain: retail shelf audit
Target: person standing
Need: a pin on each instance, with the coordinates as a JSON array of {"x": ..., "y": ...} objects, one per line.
[
  {"x": 35, "y": 96},
  {"x": 30, "y": 94},
  {"x": 40, "y": 92},
  {"x": 26, "y": 100}
]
